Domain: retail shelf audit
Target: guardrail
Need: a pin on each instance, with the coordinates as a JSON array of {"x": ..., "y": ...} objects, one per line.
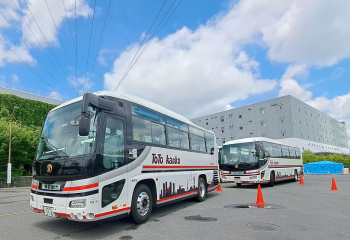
[{"x": 31, "y": 91}]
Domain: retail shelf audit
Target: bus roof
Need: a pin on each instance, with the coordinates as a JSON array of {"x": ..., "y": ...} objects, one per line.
[
  {"x": 256, "y": 139},
  {"x": 139, "y": 101}
]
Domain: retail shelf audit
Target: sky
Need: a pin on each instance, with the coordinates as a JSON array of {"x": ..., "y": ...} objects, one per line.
[{"x": 195, "y": 57}]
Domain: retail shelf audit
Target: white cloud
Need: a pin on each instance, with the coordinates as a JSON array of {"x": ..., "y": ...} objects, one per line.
[
  {"x": 12, "y": 54},
  {"x": 15, "y": 78},
  {"x": 338, "y": 73},
  {"x": 208, "y": 67},
  {"x": 56, "y": 95},
  {"x": 42, "y": 16},
  {"x": 192, "y": 72},
  {"x": 82, "y": 84}
]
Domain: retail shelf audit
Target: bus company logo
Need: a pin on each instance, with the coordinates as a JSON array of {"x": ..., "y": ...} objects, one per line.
[
  {"x": 158, "y": 159},
  {"x": 49, "y": 168}
]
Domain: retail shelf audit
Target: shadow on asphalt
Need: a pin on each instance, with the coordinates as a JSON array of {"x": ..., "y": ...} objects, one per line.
[
  {"x": 63, "y": 227},
  {"x": 255, "y": 186}
]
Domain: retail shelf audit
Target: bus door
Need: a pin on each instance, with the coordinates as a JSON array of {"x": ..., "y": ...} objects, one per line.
[{"x": 113, "y": 182}]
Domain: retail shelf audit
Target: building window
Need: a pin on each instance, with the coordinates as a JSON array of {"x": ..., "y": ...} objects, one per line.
[
  {"x": 262, "y": 110},
  {"x": 251, "y": 133},
  {"x": 283, "y": 134},
  {"x": 206, "y": 123},
  {"x": 300, "y": 122},
  {"x": 250, "y": 121},
  {"x": 299, "y": 109},
  {"x": 263, "y": 124},
  {"x": 281, "y": 120},
  {"x": 240, "y": 128},
  {"x": 222, "y": 120},
  {"x": 249, "y": 109},
  {"x": 240, "y": 116},
  {"x": 199, "y": 120}
]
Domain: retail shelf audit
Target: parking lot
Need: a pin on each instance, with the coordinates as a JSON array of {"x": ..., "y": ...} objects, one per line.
[{"x": 293, "y": 211}]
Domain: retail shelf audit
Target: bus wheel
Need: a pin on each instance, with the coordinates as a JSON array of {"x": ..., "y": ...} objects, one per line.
[
  {"x": 141, "y": 206},
  {"x": 202, "y": 190},
  {"x": 295, "y": 176},
  {"x": 272, "y": 179},
  {"x": 239, "y": 184}
]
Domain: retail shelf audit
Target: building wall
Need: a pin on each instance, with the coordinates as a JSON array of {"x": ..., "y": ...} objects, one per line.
[
  {"x": 280, "y": 118},
  {"x": 30, "y": 96}
]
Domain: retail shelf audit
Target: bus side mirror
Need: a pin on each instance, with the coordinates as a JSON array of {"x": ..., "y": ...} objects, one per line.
[
  {"x": 212, "y": 151},
  {"x": 84, "y": 126}
]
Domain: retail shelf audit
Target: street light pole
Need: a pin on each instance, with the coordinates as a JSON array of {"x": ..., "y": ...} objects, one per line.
[{"x": 9, "y": 165}]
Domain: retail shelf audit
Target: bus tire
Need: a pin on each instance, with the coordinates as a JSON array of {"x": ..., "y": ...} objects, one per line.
[
  {"x": 202, "y": 190},
  {"x": 239, "y": 184},
  {"x": 141, "y": 205},
  {"x": 272, "y": 179},
  {"x": 295, "y": 176}
]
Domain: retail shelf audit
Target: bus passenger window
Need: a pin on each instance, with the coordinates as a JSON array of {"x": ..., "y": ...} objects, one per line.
[
  {"x": 142, "y": 129},
  {"x": 158, "y": 133},
  {"x": 174, "y": 137},
  {"x": 184, "y": 140}
]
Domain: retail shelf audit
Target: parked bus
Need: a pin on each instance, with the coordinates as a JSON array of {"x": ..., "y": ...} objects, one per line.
[
  {"x": 259, "y": 160},
  {"x": 110, "y": 155}
]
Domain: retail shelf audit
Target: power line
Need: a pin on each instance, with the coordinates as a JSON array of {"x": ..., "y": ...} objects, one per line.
[
  {"x": 145, "y": 48},
  {"x": 77, "y": 59},
  {"x": 100, "y": 39},
  {"x": 59, "y": 36},
  {"x": 26, "y": 64},
  {"x": 37, "y": 40},
  {"x": 31, "y": 51},
  {"x": 76, "y": 42},
  {"x": 45, "y": 39},
  {"x": 92, "y": 25},
  {"x": 142, "y": 43}
]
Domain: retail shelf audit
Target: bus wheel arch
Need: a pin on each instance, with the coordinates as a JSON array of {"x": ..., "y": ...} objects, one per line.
[
  {"x": 142, "y": 201},
  {"x": 152, "y": 186},
  {"x": 272, "y": 178}
]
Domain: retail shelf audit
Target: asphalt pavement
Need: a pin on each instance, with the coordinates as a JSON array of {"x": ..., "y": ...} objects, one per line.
[{"x": 292, "y": 211}]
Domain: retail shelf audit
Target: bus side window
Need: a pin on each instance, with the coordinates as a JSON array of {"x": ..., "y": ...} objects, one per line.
[{"x": 113, "y": 148}]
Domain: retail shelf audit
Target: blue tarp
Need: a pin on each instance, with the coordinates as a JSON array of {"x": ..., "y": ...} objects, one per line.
[{"x": 323, "y": 167}]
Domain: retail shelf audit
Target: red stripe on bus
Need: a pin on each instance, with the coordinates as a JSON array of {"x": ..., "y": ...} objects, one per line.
[
  {"x": 62, "y": 214},
  {"x": 37, "y": 209},
  {"x": 284, "y": 177},
  {"x": 285, "y": 165},
  {"x": 177, "y": 196},
  {"x": 35, "y": 187},
  {"x": 111, "y": 212},
  {"x": 223, "y": 173},
  {"x": 80, "y": 188},
  {"x": 155, "y": 167}
]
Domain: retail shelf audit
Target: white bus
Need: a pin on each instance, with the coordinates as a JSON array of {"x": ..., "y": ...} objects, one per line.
[
  {"x": 259, "y": 160},
  {"x": 110, "y": 155}
]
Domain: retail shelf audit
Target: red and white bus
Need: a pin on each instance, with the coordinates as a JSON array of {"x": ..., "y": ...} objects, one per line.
[
  {"x": 111, "y": 155},
  {"x": 259, "y": 160}
]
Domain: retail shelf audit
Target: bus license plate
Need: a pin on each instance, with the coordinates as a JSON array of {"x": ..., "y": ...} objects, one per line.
[
  {"x": 238, "y": 181},
  {"x": 49, "y": 211},
  {"x": 54, "y": 187}
]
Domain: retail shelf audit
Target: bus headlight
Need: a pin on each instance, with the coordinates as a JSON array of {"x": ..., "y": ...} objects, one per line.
[{"x": 79, "y": 203}]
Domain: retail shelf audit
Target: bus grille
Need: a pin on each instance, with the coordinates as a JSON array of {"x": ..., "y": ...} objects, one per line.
[{"x": 216, "y": 177}]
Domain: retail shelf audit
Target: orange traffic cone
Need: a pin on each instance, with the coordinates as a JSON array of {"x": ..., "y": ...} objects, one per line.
[
  {"x": 219, "y": 188},
  {"x": 260, "y": 199},
  {"x": 301, "y": 180},
  {"x": 334, "y": 186}
]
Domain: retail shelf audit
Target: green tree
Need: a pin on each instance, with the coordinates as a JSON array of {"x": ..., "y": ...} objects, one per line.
[
  {"x": 309, "y": 156},
  {"x": 322, "y": 158}
]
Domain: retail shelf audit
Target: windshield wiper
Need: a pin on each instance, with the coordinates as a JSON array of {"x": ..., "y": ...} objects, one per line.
[{"x": 62, "y": 153}]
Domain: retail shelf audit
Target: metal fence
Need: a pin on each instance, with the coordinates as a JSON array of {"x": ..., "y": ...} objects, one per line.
[
  {"x": 17, "y": 182},
  {"x": 32, "y": 91}
]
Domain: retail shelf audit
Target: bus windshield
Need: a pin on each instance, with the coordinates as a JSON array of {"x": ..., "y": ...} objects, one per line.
[
  {"x": 60, "y": 138},
  {"x": 240, "y": 156}
]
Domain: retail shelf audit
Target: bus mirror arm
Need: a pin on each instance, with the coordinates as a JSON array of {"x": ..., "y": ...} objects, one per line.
[{"x": 90, "y": 99}]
